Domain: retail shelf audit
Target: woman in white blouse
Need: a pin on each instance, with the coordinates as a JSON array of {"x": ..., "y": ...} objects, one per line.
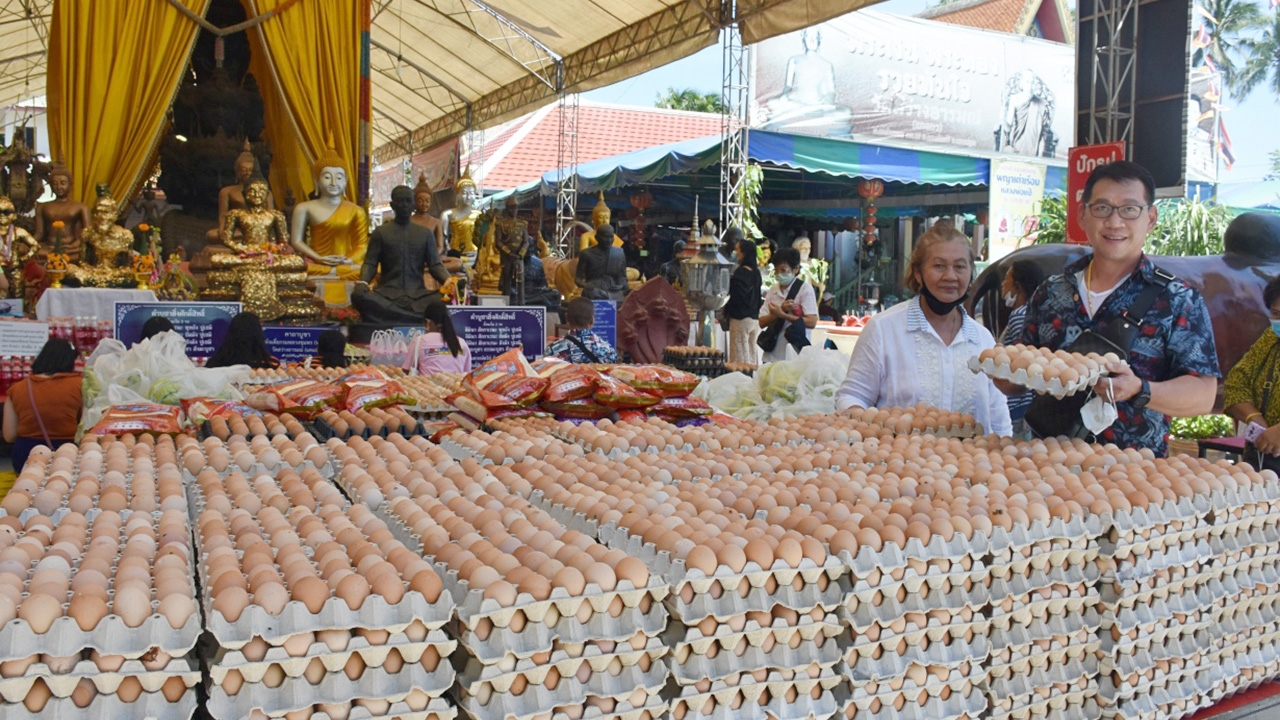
[{"x": 919, "y": 350}]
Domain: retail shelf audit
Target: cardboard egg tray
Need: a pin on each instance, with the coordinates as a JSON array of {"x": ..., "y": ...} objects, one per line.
[
  {"x": 1008, "y": 632},
  {"x": 685, "y": 639},
  {"x": 891, "y": 557},
  {"x": 1123, "y": 685},
  {"x": 654, "y": 705},
  {"x": 961, "y": 680},
  {"x": 1018, "y": 590},
  {"x": 1036, "y": 383},
  {"x": 204, "y": 431},
  {"x": 536, "y": 699},
  {"x": 1021, "y": 689},
  {"x": 1064, "y": 665},
  {"x": 1164, "y": 689},
  {"x": 474, "y": 673},
  {"x": 781, "y": 657},
  {"x": 954, "y": 707},
  {"x": 1076, "y": 706},
  {"x": 436, "y": 709},
  {"x": 13, "y": 690},
  {"x": 1139, "y": 546},
  {"x": 1043, "y": 651},
  {"x": 326, "y": 470},
  {"x": 860, "y": 614},
  {"x": 949, "y": 653},
  {"x": 1190, "y": 554},
  {"x": 1241, "y": 535},
  {"x": 224, "y": 660},
  {"x": 862, "y": 647},
  {"x": 725, "y": 701},
  {"x": 934, "y": 581},
  {"x": 1128, "y": 524},
  {"x": 334, "y": 688},
  {"x": 149, "y": 705}
]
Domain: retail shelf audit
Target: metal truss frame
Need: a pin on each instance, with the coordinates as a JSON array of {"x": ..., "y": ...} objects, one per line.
[
  {"x": 567, "y": 182},
  {"x": 1113, "y": 85},
  {"x": 734, "y": 135}
]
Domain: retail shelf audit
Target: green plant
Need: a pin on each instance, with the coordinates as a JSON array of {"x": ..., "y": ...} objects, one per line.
[
  {"x": 1188, "y": 228},
  {"x": 1053, "y": 221},
  {"x": 690, "y": 99},
  {"x": 749, "y": 198},
  {"x": 1201, "y": 427}
]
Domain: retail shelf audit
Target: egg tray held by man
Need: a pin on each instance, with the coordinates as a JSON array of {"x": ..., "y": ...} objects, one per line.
[{"x": 1054, "y": 372}]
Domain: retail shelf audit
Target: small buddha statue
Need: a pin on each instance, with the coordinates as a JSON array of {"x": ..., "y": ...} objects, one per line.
[
  {"x": 511, "y": 240},
  {"x": 73, "y": 215},
  {"x": 261, "y": 270},
  {"x": 422, "y": 213},
  {"x": 232, "y": 197},
  {"x": 487, "y": 270},
  {"x": 600, "y": 215},
  {"x": 460, "y": 221},
  {"x": 330, "y": 232},
  {"x": 17, "y": 247},
  {"x": 107, "y": 252}
]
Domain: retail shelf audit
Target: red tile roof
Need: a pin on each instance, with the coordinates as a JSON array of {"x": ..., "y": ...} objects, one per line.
[
  {"x": 999, "y": 15},
  {"x": 530, "y": 146}
]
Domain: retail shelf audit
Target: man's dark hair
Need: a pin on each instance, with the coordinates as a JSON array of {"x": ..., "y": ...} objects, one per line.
[
  {"x": 1121, "y": 171},
  {"x": 580, "y": 313},
  {"x": 1026, "y": 275},
  {"x": 331, "y": 348},
  {"x": 788, "y": 256},
  {"x": 57, "y": 356},
  {"x": 1271, "y": 293}
]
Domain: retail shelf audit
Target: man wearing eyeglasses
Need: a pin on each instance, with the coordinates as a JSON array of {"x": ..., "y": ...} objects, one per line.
[{"x": 1172, "y": 366}]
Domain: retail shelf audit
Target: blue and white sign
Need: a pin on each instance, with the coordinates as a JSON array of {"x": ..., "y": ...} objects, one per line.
[
  {"x": 606, "y": 325},
  {"x": 489, "y": 332},
  {"x": 292, "y": 344},
  {"x": 203, "y": 324}
]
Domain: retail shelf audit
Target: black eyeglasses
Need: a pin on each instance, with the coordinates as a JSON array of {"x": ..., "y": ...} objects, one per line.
[{"x": 1102, "y": 211}]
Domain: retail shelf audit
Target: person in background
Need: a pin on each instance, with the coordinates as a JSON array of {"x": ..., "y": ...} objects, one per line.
[
  {"x": 155, "y": 325},
  {"x": 44, "y": 409},
  {"x": 244, "y": 344},
  {"x": 918, "y": 350},
  {"x": 581, "y": 344},
  {"x": 439, "y": 349},
  {"x": 790, "y": 300},
  {"x": 1248, "y": 391},
  {"x": 331, "y": 350},
  {"x": 743, "y": 309},
  {"x": 1022, "y": 279},
  {"x": 671, "y": 268}
]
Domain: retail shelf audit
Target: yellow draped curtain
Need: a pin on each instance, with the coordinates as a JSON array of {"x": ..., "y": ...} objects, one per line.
[
  {"x": 307, "y": 63},
  {"x": 114, "y": 67}
]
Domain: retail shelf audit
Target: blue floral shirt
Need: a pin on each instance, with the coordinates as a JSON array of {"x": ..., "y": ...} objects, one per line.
[
  {"x": 1176, "y": 339},
  {"x": 566, "y": 349}
]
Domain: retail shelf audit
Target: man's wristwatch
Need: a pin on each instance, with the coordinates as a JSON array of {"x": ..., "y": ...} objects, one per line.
[{"x": 1143, "y": 397}]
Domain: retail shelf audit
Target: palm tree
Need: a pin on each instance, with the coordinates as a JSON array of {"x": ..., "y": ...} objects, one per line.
[
  {"x": 1263, "y": 65},
  {"x": 690, "y": 99},
  {"x": 1228, "y": 41}
]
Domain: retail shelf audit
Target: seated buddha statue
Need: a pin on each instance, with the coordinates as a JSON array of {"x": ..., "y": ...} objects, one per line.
[
  {"x": 73, "y": 215},
  {"x": 600, "y": 215},
  {"x": 232, "y": 197},
  {"x": 460, "y": 222},
  {"x": 261, "y": 271},
  {"x": 107, "y": 253},
  {"x": 331, "y": 233},
  {"x": 17, "y": 247}
]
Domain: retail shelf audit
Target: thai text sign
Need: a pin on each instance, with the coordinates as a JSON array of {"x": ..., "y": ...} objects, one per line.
[
  {"x": 1083, "y": 160},
  {"x": 1016, "y": 191},
  {"x": 203, "y": 324},
  {"x": 489, "y": 332}
]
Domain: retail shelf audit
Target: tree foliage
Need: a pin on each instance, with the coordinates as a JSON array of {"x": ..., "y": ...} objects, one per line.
[
  {"x": 1184, "y": 228},
  {"x": 1263, "y": 64},
  {"x": 690, "y": 99},
  {"x": 1274, "y": 172},
  {"x": 1229, "y": 37}
]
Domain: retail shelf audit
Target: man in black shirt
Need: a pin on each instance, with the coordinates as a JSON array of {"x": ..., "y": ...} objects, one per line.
[{"x": 398, "y": 253}]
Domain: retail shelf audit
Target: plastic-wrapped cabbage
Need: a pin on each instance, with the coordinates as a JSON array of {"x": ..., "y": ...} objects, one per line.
[{"x": 806, "y": 385}]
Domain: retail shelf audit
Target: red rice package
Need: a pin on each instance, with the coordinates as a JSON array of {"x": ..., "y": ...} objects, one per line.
[
  {"x": 548, "y": 366},
  {"x": 523, "y": 391},
  {"x": 306, "y": 398},
  {"x": 200, "y": 409},
  {"x": 505, "y": 381},
  {"x": 140, "y": 419},
  {"x": 581, "y": 409},
  {"x": 363, "y": 374},
  {"x": 657, "y": 379},
  {"x": 619, "y": 395},
  {"x": 374, "y": 393},
  {"x": 572, "y": 382},
  {"x": 632, "y": 416},
  {"x": 499, "y": 407},
  {"x": 683, "y": 407},
  {"x": 437, "y": 431}
]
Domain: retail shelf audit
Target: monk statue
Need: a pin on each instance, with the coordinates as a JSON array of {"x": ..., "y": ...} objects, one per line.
[
  {"x": 338, "y": 229},
  {"x": 107, "y": 252},
  {"x": 17, "y": 247},
  {"x": 261, "y": 271},
  {"x": 511, "y": 239},
  {"x": 73, "y": 215},
  {"x": 807, "y": 103},
  {"x": 600, "y": 215},
  {"x": 399, "y": 253},
  {"x": 231, "y": 197},
  {"x": 460, "y": 221}
]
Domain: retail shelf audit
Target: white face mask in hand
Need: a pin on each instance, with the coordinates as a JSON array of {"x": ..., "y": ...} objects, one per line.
[{"x": 1098, "y": 414}]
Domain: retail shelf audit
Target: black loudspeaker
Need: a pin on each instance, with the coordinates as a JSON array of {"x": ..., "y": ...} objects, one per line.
[{"x": 1162, "y": 73}]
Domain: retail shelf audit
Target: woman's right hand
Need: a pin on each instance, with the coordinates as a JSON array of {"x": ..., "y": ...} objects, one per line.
[{"x": 1269, "y": 441}]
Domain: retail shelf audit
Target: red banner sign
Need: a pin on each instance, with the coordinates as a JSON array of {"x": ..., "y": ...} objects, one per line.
[{"x": 1081, "y": 161}]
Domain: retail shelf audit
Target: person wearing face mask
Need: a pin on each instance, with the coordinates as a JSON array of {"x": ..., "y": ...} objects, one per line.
[
  {"x": 918, "y": 351},
  {"x": 789, "y": 312},
  {"x": 743, "y": 309},
  {"x": 1247, "y": 392},
  {"x": 1020, "y": 281}
]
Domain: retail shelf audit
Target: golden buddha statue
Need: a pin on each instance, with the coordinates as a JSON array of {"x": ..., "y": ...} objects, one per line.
[
  {"x": 261, "y": 270},
  {"x": 17, "y": 247},
  {"x": 331, "y": 233},
  {"x": 488, "y": 267},
  {"x": 460, "y": 221},
  {"x": 232, "y": 197},
  {"x": 600, "y": 215},
  {"x": 107, "y": 252},
  {"x": 73, "y": 215}
]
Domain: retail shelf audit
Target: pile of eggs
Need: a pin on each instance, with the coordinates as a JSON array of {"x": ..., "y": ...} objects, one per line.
[
  {"x": 344, "y": 424},
  {"x": 430, "y": 391},
  {"x": 1058, "y": 372},
  {"x": 258, "y": 453},
  {"x": 548, "y": 618},
  {"x": 263, "y": 376},
  {"x": 268, "y": 424},
  {"x": 317, "y": 607},
  {"x": 97, "y": 606}
]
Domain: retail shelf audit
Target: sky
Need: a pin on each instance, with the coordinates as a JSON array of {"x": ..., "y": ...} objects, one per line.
[{"x": 1251, "y": 123}]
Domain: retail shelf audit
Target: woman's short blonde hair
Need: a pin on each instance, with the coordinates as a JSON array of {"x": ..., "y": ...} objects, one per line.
[{"x": 942, "y": 231}]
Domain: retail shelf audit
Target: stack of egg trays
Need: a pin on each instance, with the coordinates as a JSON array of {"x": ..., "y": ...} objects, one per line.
[
  {"x": 1044, "y": 620},
  {"x": 285, "y": 679},
  {"x": 917, "y": 635},
  {"x": 1158, "y": 586},
  {"x": 153, "y": 654},
  {"x": 1242, "y": 630}
]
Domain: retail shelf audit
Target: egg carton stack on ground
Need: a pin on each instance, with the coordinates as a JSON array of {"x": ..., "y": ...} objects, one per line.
[
  {"x": 1159, "y": 586},
  {"x": 550, "y": 622},
  {"x": 343, "y": 621},
  {"x": 429, "y": 393},
  {"x": 753, "y": 629},
  {"x": 246, "y": 426},
  {"x": 120, "y": 646},
  {"x": 1044, "y": 619},
  {"x": 1242, "y": 631}
]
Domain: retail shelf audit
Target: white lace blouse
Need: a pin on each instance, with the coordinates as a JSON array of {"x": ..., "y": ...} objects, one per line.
[{"x": 900, "y": 360}]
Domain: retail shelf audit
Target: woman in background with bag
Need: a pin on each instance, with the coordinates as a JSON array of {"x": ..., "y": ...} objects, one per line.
[
  {"x": 743, "y": 309},
  {"x": 1249, "y": 393},
  {"x": 918, "y": 351},
  {"x": 789, "y": 311},
  {"x": 44, "y": 409}
]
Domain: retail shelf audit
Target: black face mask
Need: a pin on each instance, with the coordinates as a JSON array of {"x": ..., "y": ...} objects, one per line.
[{"x": 937, "y": 306}]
